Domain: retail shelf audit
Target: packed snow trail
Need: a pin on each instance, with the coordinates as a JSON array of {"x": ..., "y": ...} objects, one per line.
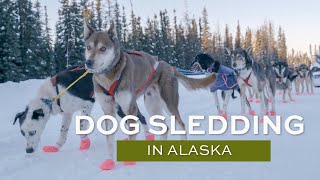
[{"x": 292, "y": 157}]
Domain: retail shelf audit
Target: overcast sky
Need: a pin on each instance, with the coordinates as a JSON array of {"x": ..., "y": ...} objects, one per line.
[{"x": 299, "y": 18}]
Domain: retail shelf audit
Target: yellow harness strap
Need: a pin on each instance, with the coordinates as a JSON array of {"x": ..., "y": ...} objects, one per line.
[{"x": 66, "y": 89}]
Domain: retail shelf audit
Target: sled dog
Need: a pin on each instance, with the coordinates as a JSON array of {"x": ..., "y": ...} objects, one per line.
[
  {"x": 119, "y": 78},
  {"x": 305, "y": 78},
  {"x": 253, "y": 74},
  {"x": 226, "y": 81},
  {"x": 284, "y": 78},
  {"x": 38, "y": 111}
]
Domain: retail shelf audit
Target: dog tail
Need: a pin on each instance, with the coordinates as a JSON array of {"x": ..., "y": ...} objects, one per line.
[{"x": 193, "y": 83}]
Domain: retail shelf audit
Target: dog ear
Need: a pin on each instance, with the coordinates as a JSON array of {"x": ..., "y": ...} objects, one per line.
[
  {"x": 112, "y": 31},
  {"x": 88, "y": 30},
  {"x": 228, "y": 51},
  {"x": 18, "y": 116}
]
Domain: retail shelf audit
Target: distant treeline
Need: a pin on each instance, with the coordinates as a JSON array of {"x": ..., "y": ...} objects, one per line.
[{"x": 29, "y": 51}]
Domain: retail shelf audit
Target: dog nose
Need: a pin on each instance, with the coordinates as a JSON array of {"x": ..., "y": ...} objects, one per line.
[
  {"x": 89, "y": 63},
  {"x": 29, "y": 150},
  {"x": 234, "y": 64}
]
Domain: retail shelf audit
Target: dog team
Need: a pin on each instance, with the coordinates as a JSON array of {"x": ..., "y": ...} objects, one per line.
[{"x": 118, "y": 78}]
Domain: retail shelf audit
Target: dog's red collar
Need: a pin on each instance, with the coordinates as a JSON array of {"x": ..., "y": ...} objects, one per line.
[
  {"x": 246, "y": 80},
  {"x": 113, "y": 88}
]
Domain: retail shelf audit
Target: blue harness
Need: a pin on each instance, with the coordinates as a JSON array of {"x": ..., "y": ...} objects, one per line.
[{"x": 226, "y": 79}]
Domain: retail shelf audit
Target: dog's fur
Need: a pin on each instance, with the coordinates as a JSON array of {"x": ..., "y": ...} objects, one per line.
[
  {"x": 34, "y": 118},
  {"x": 105, "y": 59},
  {"x": 261, "y": 79},
  {"x": 284, "y": 78},
  {"x": 305, "y": 78},
  {"x": 203, "y": 62}
]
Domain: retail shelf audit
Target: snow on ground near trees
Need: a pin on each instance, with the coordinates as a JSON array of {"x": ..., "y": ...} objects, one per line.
[{"x": 293, "y": 157}]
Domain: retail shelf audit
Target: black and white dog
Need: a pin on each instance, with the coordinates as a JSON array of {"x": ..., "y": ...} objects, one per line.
[
  {"x": 79, "y": 97},
  {"x": 284, "y": 78},
  {"x": 226, "y": 81},
  {"x": 252, "y": 74},
  {"x": 37, "y": 113}
]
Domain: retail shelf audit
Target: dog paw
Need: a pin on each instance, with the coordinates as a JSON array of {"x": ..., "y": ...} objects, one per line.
[
  {"x": 129, "y": 163},
  {"x": 272, "y": 113},
  {"x": 250, "y": 100},
  {"x": 50, "y": 149},
  {"x": 252, "y": 113},
  {"x": 107, "y": 165},
  {"x": 258, "y": 101},
  {"x": 269, "y": 100},
  {"x": 284, "y": 102},
  {"x": 85, "y": 144},
  {"x": 267, "y": 113},
  {"x": 150, "y": 137},
  {"x": 224, "y": 115},
  {"x": 293, "y": 100},
  {"x": 298, "y": 94}
]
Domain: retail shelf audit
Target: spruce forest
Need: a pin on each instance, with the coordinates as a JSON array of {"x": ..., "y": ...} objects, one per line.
[{"x": 31, "y": 49}]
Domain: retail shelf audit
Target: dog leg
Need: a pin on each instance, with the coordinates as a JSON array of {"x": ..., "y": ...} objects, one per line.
[
  {"x": 66, "y": 120},
  {"x": 170, "y": 96},
  {"x": 225, "y": 103},
  {"x": 127, "y": 101},
  {"x": 284, "y": 97},
  {"x": 85, "y": 141},
  {"x": 216, "y": 101},
  {"x": 242, "y": 99},
  {"x": 153, "y": 104},
  {"x": 107, "y": 104}
]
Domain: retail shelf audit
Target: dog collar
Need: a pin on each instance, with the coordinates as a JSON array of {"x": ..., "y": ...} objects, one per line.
[
  {"x": 242, "y": 69},
  {"x": 47, "y": 102}
]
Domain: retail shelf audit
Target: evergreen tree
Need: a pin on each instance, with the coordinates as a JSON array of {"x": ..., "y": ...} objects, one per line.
[
  {"x": 63, "y": 40},
  {"x": 282, "y": 47},
  {"x": 205, "y": 32},
  {"x": 248, "y": 39},
  {"x": 48, "y": 56},
  {"x": 10, "y": 59},
  {"x": 98, "y": 12},
  {"x": 117, "y": 19},
  {"x": 237, "y": 43}
]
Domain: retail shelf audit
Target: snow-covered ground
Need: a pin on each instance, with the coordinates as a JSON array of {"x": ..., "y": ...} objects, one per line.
[{"x": 293, "y": 157}]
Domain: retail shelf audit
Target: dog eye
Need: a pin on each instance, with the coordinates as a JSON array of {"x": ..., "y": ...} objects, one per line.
[
  {"x": 103, "y": 49},
  {"x": 89, "y": 48},
  {"x": 31, "y": 133},
  {"x": 23, "y": 134}
]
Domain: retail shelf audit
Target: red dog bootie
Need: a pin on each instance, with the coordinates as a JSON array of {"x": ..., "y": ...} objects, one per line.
[
  {"x": 107, "y": 165},
  {"x": 272, "y": 113},
  {"x": 250, "y": 99},
  {"x": 150, "y": 137},
  {"x": 252, "y": 113},
  {"x": 284, "y": 102},
  {"x": 85, "y": 143},
  {"x": 293, "y": 100},
  {"x": 258, "y": 101},
  {"x": 224, "y": 115},
  {"x": 50, "y": 149}
]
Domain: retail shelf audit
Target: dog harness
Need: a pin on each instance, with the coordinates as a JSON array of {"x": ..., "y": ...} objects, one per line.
[
  {"x": 226, "y": 79},
  {"x": 246, "y": 80},
  {"x": 114, "y": 87},
  {"x": 55, "y": 83}
]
